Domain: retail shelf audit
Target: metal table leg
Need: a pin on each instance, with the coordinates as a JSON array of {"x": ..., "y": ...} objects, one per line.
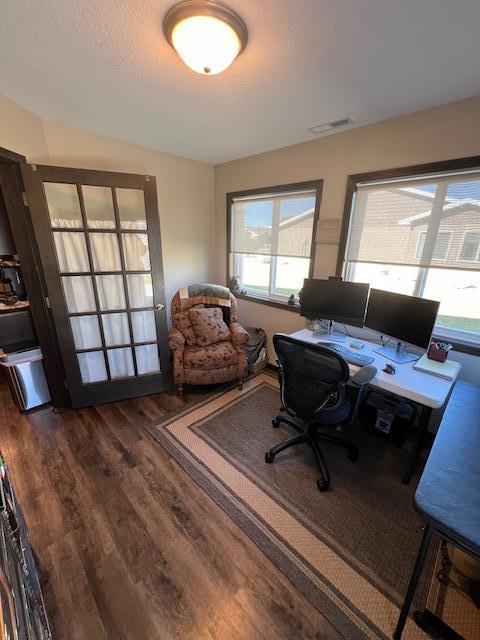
[
  {"x": 425, "y": 414},
  {"x": 416, "y": 573}
]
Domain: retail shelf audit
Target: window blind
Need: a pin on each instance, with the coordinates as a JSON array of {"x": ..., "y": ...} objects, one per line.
[
  {"x": 429, "y": 222},
  {"x": 273, "y": 225}
]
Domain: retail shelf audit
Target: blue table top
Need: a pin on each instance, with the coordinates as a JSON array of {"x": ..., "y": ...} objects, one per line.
[{"x": 448, "y": 494}]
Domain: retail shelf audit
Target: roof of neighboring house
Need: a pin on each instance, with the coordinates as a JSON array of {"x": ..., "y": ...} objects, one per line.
[
  {"x": 294, "y": 220},
  {"x": 454, "y": 206},
  {"x": 448, "y": 211}
]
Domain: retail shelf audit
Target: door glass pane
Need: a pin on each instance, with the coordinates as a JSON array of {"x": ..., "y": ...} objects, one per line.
[
  {"x": 105, "y": 252},
  {"x": 111, "y": 294},
  {"x": 115, "y": 328},
  {"x": 131, "y": 208},
  {"x": 140, "y": 290},
  {"x": 98, "y": 207},
  {"x": 135, "y": 249},
  {"x": 143, "y": 325},
  {"x": 63, "y": 204},
  {"x": 121, "y": 362},
  {"x": 78, "y": 291},
  {"x": 92, "y": 366},
  {"x": 86, "y": 332},
  {"x": 147, "y": 358},
  {"x": 71, "y": 251}
]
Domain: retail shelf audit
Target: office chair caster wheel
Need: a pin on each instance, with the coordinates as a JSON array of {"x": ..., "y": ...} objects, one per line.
[
  {"x": 275, "y": 423},
  {"x": 323, "y": 485},
  {"x": 353, "y": 455},
  {"x": 269, "y": 457}
]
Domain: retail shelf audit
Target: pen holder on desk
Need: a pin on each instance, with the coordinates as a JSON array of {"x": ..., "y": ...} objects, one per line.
[{"x": 434, "y": 353}]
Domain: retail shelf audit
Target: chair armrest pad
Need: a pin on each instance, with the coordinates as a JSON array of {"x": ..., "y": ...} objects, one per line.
[
  {"x": 364, "y": 375},
  {"x": 176, "y": 339},
  {"x": 238, "y": 333}
]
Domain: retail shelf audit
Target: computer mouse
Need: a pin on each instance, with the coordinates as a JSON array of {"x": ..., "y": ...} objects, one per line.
[{"x": 389, "y": 368}]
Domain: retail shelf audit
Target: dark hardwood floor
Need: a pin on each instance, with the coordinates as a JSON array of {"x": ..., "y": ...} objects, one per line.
[{"x": 129, "y": 546}]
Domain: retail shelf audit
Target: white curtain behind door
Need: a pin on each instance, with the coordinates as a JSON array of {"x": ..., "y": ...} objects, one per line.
[{"x": 78, "y": 289}]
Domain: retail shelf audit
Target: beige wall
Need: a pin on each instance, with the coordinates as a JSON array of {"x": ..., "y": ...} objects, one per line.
[
  {"x": 21, "y": 131},
  {"x": 451, "y": 131},
  {"x": 185, "y": 187},
  {"x": 194, "y": 241}
]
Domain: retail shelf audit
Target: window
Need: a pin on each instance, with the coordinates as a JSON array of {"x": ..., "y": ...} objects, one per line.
[
  {"x": 440, "y": 250},
  {"x": 419, "y": 234},
  {"x": 271, "y": 234},
  {"x": 470, "y": 247}
]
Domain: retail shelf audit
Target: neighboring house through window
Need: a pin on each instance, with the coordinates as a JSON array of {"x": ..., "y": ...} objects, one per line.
[
  {"x": 271, "y": 238},
  {"x": 419, "y": 234}
]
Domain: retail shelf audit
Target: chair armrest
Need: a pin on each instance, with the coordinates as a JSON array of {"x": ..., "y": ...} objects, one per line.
[
  {"x": 364, "y": 375},
  {"x": 238, "y": 333},
  {"x": 176, "y": 339}
]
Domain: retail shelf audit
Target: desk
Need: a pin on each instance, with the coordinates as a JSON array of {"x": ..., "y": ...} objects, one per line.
[
  {"x": 448, "y": 494},
  {"x": 428, "y": 391}
]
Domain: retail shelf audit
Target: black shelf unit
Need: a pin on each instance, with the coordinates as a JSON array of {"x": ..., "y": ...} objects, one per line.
[{"x": 20, "y": 593}]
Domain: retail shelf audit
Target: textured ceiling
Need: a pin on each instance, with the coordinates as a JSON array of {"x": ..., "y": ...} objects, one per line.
[{"x": 105, "y": 66}]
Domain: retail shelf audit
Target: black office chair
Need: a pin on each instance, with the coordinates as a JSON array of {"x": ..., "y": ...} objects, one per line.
[{"x": 312, "y": 390}]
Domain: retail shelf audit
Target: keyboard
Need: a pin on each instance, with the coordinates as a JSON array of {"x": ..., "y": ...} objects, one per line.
[{"x": 352, "y": 357}]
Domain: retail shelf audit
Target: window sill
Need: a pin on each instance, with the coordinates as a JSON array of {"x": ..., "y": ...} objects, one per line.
[
  {"x": 277, "y": 304},
  {"x": 459, "y": 345}
]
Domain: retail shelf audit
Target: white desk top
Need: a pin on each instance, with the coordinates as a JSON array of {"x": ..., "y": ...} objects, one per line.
[{"x": 418, "y": 386}]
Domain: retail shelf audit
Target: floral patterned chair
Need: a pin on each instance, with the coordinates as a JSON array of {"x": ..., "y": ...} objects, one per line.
[{"x": 207, "y": 342}]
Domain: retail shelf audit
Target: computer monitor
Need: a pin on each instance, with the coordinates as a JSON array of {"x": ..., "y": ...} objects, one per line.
[
  {"x": 334, "y": 300},
  {"x": 405, "y": 318}
]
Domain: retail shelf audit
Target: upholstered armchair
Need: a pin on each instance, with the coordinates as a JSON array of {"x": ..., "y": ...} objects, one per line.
[{"x": 207, "y": 342}]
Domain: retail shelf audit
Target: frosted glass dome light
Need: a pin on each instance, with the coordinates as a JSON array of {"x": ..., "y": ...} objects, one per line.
[{"x": 206, "y": 35}]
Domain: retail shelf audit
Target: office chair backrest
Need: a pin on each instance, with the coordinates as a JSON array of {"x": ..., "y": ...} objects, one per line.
[{"x": 308, "y": 374}]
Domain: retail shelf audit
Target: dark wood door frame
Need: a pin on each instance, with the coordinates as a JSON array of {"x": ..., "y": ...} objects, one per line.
[{"x": 22, "y": 229}]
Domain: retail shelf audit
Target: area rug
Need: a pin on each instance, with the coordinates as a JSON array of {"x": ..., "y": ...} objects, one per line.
[{"x": 349, "y": 550}]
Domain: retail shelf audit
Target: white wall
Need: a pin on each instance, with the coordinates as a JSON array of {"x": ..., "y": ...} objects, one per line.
[{"x": 443, "y": 133}]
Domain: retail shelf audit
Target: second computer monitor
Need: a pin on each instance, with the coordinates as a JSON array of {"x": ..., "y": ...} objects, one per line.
[
  {"x": 334, "y": 300},
  {"x": 406, "y": 318}
]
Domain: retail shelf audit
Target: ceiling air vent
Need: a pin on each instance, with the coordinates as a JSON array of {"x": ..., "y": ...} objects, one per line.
[{"x": 329, "y": 126}]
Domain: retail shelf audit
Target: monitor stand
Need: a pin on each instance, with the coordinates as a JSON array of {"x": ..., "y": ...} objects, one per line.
[
  {"x": 396, "y": 353},
  {"x": 329, "y": 334}
]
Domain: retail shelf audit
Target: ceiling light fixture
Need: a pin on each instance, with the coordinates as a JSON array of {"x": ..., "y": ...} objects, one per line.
[{"x": 207, "y": 35}]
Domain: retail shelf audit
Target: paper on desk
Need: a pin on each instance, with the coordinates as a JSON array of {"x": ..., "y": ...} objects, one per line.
[{"x": 447, "y": 370}]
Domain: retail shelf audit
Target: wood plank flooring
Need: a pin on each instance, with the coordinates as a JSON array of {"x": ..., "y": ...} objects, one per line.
[{"x": 129, "y": 546}]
